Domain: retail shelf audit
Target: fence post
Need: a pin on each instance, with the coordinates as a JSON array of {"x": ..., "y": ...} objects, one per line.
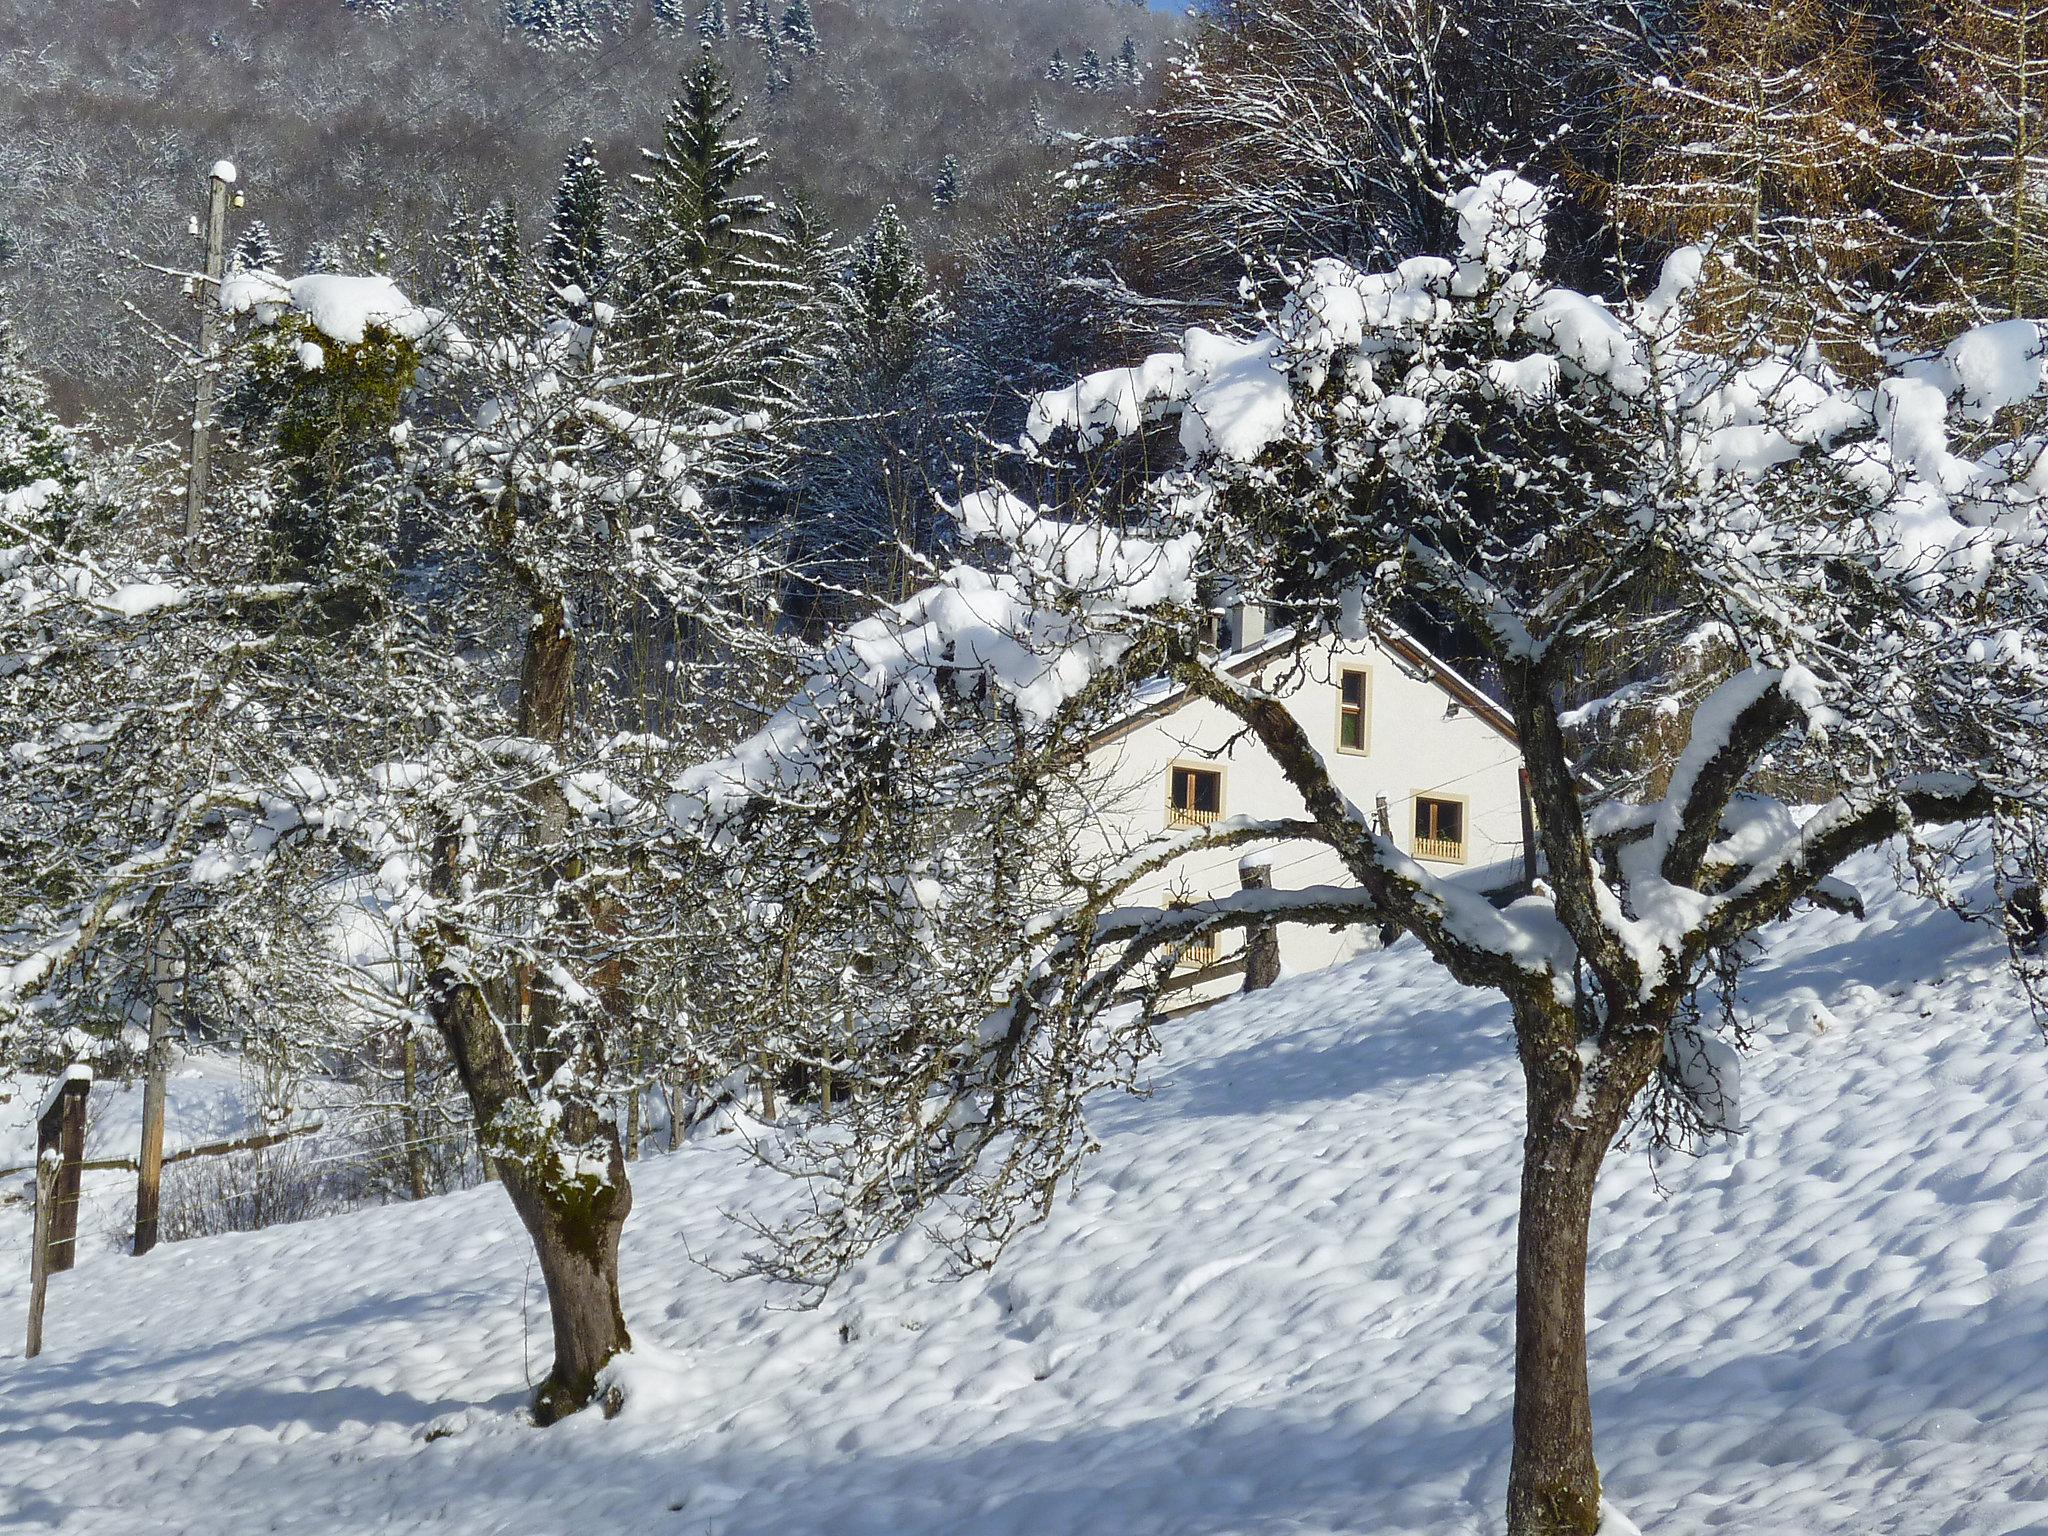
[
  {"x": 60, "y": 1149},
  {"x": 61, "y": 1129},
  {"x": 39, "y": 1254}
]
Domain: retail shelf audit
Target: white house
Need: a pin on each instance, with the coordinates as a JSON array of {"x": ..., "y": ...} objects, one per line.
[{"x": 1406, "y": 738}]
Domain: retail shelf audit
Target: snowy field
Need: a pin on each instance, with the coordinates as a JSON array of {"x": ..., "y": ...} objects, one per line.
[{"x": 1280, "y": 1303}]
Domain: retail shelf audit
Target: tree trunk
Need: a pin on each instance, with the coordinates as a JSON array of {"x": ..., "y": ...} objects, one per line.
[
  {"x": 575, "y": 1235},
  {"x": 1553, "y": 1481},
  {"x": 1554, "y": 1484},
  {"x": 574, "y": 1219}
]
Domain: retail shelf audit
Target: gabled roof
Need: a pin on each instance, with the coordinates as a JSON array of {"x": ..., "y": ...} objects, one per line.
[{"x": 1388, "y": 636}]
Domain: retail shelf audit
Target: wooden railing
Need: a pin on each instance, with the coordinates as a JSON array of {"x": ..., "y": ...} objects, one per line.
[
  {"x": 1187, "y": 816},
  {"x": 1449, "y": 850}
]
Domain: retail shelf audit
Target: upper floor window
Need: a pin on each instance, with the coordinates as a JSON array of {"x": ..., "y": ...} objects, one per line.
[
  {"x": 1354, "y": 710},
  {"x": 1194, "y": 797},
  {"x": 1440, "y": 828}
]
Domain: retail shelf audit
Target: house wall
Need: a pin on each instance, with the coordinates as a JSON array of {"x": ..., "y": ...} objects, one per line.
[{"x": 1421, "y": 741}]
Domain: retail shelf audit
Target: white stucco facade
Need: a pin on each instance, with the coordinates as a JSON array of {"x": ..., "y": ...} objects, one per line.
[{"x": 1426, "y": 742}]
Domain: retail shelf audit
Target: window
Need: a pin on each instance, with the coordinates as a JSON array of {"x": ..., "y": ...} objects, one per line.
[
  {"x": 1354, "y": 710},
  {"x": 1194, "y": 797},
  {"x": 1440, "y": 828}
]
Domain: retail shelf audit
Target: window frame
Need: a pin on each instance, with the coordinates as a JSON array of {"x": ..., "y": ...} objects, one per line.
[
  {"x": 1364, "y": 748},
  {"x": 1193, "y": 816},
  {"x": 1437, "y": 845}
]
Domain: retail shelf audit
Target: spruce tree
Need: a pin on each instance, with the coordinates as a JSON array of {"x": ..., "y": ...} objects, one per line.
[
  {"x": 575, "y": 262},
  {"x": 1090, "y": 76},
  {"x": 1056, "y": 66},
  {"x": 34, "y": 444},
  {"x": 799, "y": 27},
  {"x": 670, "y": 15},
  {"x": 255, "y": 249},
  {"x": 707, "y": 290},
  {"x": 946, "y": 184},
  {"x": 711, "y": 23},
  {"x": 1129, "y": 71}
]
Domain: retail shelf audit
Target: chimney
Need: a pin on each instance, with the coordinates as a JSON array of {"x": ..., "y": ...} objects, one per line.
[{"x": 1247, "y": 623}]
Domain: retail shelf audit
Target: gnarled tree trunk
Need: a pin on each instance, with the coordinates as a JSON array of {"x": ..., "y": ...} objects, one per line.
[
  {"x": 574, "y": 1218},
  {"x": 1554, "y": 1481}
]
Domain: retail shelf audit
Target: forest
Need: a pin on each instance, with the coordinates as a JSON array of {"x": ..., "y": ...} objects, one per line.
[{"x": 566, "y": 566}]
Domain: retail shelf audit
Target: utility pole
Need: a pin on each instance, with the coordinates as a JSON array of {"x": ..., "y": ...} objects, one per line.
[{"x": 220, "y": 185}]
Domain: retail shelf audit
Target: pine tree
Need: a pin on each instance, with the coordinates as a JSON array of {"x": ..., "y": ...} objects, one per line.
[
  {"x": 34, "y": 444},
  {"x": 1090, "y": 75},
  {"x": 1129, "y": 71},
  {"x": 1056, "y": 66},
  {"x": 256, "y": 249},
  {"x": 799, "y": 27},
  {"x": 946, "y": 184},
  {"x": 575, "y": 262},
  {"x": 753, "y": 20},
  {"x": 670, "y": 15},
  {"x": 711, "y": 22}
]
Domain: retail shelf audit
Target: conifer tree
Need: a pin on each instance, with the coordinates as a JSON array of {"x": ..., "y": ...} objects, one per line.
[
  {"x": 1980, "y": 194},
  {"x": 1768, "y": 141},
  {"x": 670, "y": 15},
  {"x": 575, "y": 262},
  {"x": 707, "y": 289},
  {"x": 1090, "y": 75},
  {"x": 799, "y": 27},
  {"x": 256, "y": 249},
  {"x": 34, "y": 445},
  {"x": 711, "y": 23},
  {"x": 1129, "y": 71},
  {"x": 946, "y": 184},
  {"x": 1056, "y": 66}
]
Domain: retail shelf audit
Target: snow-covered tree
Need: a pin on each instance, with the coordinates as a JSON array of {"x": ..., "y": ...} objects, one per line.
[
  {"x": 1767, "y": 132},
  {"x": 1977, "y": 199},
  {"x": 1460, "y": 439},
  {"x": 711, "y": 23},
  {"x": 1056, "y": 66},
  {"x": 1130, "y": 72},
  {"x": 1089, "y": 74},
  {"x": 256, "y": 247},
  {"x": 414, "y": 725},
  {"x": 35, "y": 447},
  {"x": 575, "y": 260},
  {"x": 707, "y": 293},
  {"x": 946, "y": 183},
  {"x": 799, "y": 27}
]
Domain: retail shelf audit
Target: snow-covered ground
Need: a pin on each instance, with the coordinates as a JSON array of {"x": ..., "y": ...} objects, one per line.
[{"x": 1280, "y": 1303}]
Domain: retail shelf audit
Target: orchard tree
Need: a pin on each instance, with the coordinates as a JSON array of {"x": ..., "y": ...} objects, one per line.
[
  {"x": 1596, "y": 504},
  {"x": 418, "y": 725}
]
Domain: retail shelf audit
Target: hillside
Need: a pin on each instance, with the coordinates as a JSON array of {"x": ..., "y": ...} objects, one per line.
[
  {"x": 344, "y": 121},
  {"x": 1279, "y": 1303}
]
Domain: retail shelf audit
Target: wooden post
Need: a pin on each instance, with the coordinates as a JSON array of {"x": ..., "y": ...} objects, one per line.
[
  {"x": 156, "y": 1073},
  {"x": 410, "y": 1123},
  {"x": 60, "y": 1131},
  {"x": 39, "y": 1254},
  {"x": 1262, "y": 944},
  {"x": 220, "y": 183}
]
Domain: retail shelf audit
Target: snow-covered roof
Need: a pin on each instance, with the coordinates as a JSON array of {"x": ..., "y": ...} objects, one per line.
[{"x": 1160, "y": 697}]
